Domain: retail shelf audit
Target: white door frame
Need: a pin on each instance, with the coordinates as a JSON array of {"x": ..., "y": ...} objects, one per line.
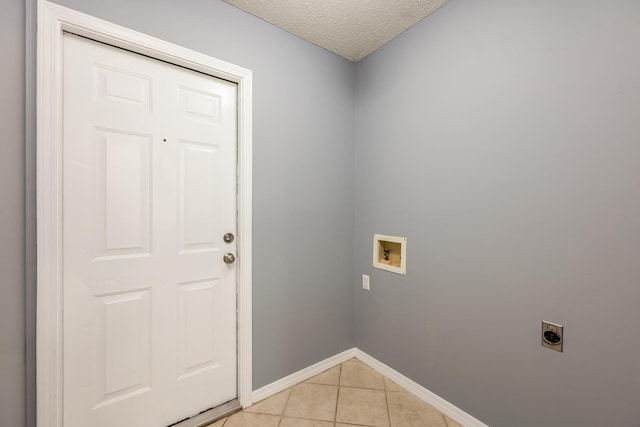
[{"x": 53, "y": 21}]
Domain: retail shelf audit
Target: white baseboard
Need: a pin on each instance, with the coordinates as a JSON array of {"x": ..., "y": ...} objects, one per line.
[
  {"x": 413, "y": 387},
  {"x": 302, "y": 375},
  {"x": 422, "y": 393}
]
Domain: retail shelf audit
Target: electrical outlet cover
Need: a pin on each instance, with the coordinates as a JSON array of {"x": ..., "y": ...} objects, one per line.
[
  {"x": 365, "y": 282},
  {"x": 552, "y": 336}
]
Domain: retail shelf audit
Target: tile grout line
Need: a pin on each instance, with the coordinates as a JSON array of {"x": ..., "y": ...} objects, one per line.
[
  {"x": 335, "y": 413},
  {"x": 386, "y": 399},
  {"x": 284, "y": 408},
  {"x": 364, "y": 388}
]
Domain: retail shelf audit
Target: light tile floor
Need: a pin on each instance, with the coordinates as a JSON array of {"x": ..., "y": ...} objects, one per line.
[{"x": 349, "y": 395}]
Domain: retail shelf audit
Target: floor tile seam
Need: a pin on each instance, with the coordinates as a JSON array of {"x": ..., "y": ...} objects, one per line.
[
  {"x": 306, "y": 418},
  {"x": 356, "y": 425},
  {"x": 303, "y": 418},
  {"x": 284, "y": 408},
  {"x": 335, "y": 412},
  {"x": 386, "y": 399},
  {"x": 362, "y": 388},
  {"x": 386, "y": 387},
  {"x": 264, "y": 413},
  {"x": 324, "y": 385}
]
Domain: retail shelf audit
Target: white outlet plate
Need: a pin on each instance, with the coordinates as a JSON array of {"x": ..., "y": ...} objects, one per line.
[{"x": 365, "y": 282}]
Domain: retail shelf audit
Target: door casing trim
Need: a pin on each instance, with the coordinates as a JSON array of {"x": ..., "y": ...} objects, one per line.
[{"x": 53, "y": 21}]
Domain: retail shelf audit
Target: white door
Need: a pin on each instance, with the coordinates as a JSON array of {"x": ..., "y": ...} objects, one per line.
[{"x": 149, "y": 191}]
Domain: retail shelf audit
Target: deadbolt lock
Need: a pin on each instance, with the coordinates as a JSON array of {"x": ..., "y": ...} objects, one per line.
[{"x": 228, "y": 238}]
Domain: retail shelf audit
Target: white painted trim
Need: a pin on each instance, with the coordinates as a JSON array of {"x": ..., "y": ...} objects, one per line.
[
  {"x": 53, "y": 20},
  {"x": 413, "y": 387},
  {"x": 419, "y": 391},
  {"x": 302, "y": 375}
]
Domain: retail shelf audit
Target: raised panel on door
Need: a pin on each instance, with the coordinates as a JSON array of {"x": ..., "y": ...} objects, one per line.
[
  {"x": 123, "y": 166},
  {"x": 199, "y": 105},
  {"x": 199, "y": 196},
  {"x": 122, "y": 88},
  {"x": 124, "y": 358},
  {"x": 196, "y": 317}
]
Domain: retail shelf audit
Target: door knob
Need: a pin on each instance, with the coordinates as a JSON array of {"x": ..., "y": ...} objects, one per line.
[{"x": 229, "y": 258}]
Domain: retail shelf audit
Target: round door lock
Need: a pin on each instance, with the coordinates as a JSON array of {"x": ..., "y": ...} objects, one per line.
[
  {"x": 229, "y": 258},
  {"x": 228, "y": 238}
]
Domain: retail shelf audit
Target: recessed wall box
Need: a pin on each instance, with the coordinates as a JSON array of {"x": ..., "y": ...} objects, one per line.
[{"x": 390, "y": 253}]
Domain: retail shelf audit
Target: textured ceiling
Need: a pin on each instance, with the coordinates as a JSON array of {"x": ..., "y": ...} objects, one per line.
[{"x": 351, "y": 28}]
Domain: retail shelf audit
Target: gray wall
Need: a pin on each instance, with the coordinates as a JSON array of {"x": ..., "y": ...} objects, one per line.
[
  {"x": 302, "y": 189},
  {"x": 12, "y": 213},
  {"x": 499, "y": 137},
  {"x": 502, "y": 138}
]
